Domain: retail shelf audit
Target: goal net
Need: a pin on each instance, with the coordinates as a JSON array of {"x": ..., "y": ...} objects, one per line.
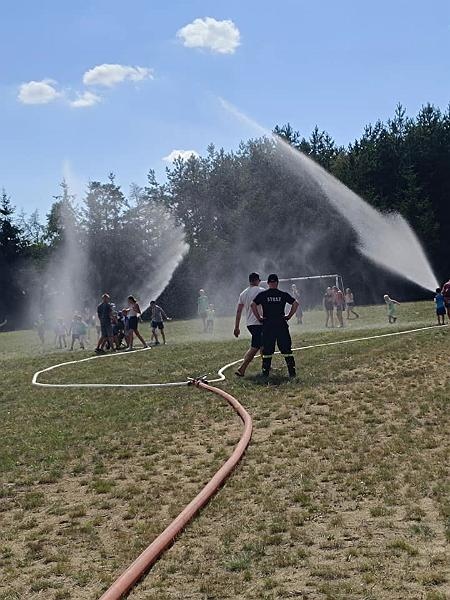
[{"x": 311, "y": 288}]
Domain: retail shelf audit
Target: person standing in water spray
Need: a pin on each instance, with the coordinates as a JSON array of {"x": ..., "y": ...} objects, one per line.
[
  {"x": 350, "y": 303},
  {"x": 254, "y": 326},
  {"x": 328, "y": 306},
  {"x": 157, "y": 317},
  {"x": 338, "y": 298},
  {"x": 104, "y": 314},
  {"x": 60, "y": 333},
  {"x": 40, "y": 328},
  {"x": 133, "y": 312},
  {"x": 275, "y": 327},
  {"x": 202, "y": 307},
  {"x": 210, "y": 318},
  {"x": 391, "y": 308},
  {"x": 77, "y": 331}
]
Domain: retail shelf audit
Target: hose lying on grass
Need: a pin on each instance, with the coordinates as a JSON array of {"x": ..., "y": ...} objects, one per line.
[
  {"x": 165, "y": 539},
  {"x": 220, "y": 373}
]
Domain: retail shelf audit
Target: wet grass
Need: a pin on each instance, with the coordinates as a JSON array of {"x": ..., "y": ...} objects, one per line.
[{"x": 342, "y": 492}]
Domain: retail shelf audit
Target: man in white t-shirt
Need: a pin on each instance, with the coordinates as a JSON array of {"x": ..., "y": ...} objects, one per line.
[{"x": 253, "y": 325}]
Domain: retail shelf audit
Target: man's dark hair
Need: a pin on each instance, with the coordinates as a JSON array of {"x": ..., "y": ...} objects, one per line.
[
  {"x": 254, "y": 277},
  {"x": 438, "y": 290},
  {"x": 272, "y": 277},
  {"x": 152, "y": 302}
]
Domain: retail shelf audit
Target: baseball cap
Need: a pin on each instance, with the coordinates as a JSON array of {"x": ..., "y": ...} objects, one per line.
[
  {"x": 272, "y": 277},
  {"x": 254, "y": 277}
]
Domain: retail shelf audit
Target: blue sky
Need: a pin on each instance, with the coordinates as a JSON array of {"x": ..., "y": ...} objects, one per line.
[{"x": 338, "y": 64}]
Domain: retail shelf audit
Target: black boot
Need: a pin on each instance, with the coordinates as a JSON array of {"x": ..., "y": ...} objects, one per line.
[
  {"x": 266, "y": 367},
  {"x": 290, "y": 363}
]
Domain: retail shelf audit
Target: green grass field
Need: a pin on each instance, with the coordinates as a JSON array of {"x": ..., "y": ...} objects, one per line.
[{"x": 343, "y": 492}]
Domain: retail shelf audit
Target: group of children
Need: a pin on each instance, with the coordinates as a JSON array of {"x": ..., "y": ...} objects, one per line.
[
  {"x": 441, "y": 301},
  {"x": 77, "y": 331},
  {"x": 121, "y": 323},
  {"x": 336, "y": 302}
]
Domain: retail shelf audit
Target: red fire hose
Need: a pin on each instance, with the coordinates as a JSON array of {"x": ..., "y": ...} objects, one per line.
[{"x": 151, "y": 554}]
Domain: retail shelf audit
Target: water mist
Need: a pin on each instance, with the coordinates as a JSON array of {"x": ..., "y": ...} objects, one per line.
[
  {"x": 386, "y": 239},
  {"x": 164, "y": 254},
  {"x": 65, "y": 288}
]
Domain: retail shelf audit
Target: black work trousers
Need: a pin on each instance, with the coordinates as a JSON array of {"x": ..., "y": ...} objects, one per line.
[{"x": 277, "y": 332}]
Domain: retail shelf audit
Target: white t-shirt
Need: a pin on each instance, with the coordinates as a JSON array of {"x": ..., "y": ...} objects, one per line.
[{"x": 246, "y": 298}]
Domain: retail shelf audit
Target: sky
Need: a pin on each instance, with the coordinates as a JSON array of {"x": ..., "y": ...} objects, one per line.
[{"x": 93, "y": 87}]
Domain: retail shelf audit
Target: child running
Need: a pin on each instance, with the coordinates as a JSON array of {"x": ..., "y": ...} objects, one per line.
[
  {"x": 391, "y": 308},
  {"x": 157, "y": 316},
  {"x": 439, "y": 301}
]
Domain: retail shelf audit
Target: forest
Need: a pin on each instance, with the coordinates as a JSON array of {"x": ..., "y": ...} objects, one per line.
[{"x": 240, "y": 210}]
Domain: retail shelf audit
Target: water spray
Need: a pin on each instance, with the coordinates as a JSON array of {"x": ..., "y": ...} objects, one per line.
[{"x": 385, "y": 239}]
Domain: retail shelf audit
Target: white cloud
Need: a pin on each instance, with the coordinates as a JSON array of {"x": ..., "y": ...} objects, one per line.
[
  {"x": 84, "y": 100},
  {"x": 110, "y": 75},
  {"x": 38, "y": 92},
  {"x": 184, "y": 154},
  {"x": 218, "y": 36}
]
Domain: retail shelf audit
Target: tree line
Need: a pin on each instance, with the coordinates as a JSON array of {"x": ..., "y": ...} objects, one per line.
[{"x": 241, "y": 210}]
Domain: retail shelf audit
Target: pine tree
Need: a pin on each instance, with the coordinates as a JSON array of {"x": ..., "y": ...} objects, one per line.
[{"x": 11, "y": 248}]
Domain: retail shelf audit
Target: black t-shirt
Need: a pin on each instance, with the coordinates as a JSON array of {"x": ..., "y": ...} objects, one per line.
[
  {"x": 104, "y": 312},
  {"x": 273, "y": 302}
]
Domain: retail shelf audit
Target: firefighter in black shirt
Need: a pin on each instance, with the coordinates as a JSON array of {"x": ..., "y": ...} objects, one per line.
[{"x": 275, "y": 327}]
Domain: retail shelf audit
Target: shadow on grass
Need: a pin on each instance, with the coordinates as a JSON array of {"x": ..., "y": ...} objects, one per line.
[{"x": 274, "y": 380}]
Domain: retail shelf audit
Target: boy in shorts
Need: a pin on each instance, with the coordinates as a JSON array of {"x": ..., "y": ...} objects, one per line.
[
  {"x": 254, "y": 327},
  {"x": 439, "y": 301},
  {"x": 157, "y": 316},
  {"x": 78, "y": 331}
]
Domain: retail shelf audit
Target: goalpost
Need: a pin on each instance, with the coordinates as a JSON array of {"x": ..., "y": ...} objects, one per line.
[
  {"x": 312, "y": 287},
  {"x": 339, "y": 281}
]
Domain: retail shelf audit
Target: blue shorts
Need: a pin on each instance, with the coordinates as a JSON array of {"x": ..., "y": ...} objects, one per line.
[
  {"x": 132, "y": 323},
  {"x": 106, "y": 329},
  {"x": 157, "y": 325},
  {"x": 441, "y": 311}
]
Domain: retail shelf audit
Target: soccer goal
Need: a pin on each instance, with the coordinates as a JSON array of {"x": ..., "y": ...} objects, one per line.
[{"x": 311, "y": 288}]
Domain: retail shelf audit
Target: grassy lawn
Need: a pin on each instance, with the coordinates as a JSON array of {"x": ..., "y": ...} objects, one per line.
[{"x": 342, "y": 493}]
